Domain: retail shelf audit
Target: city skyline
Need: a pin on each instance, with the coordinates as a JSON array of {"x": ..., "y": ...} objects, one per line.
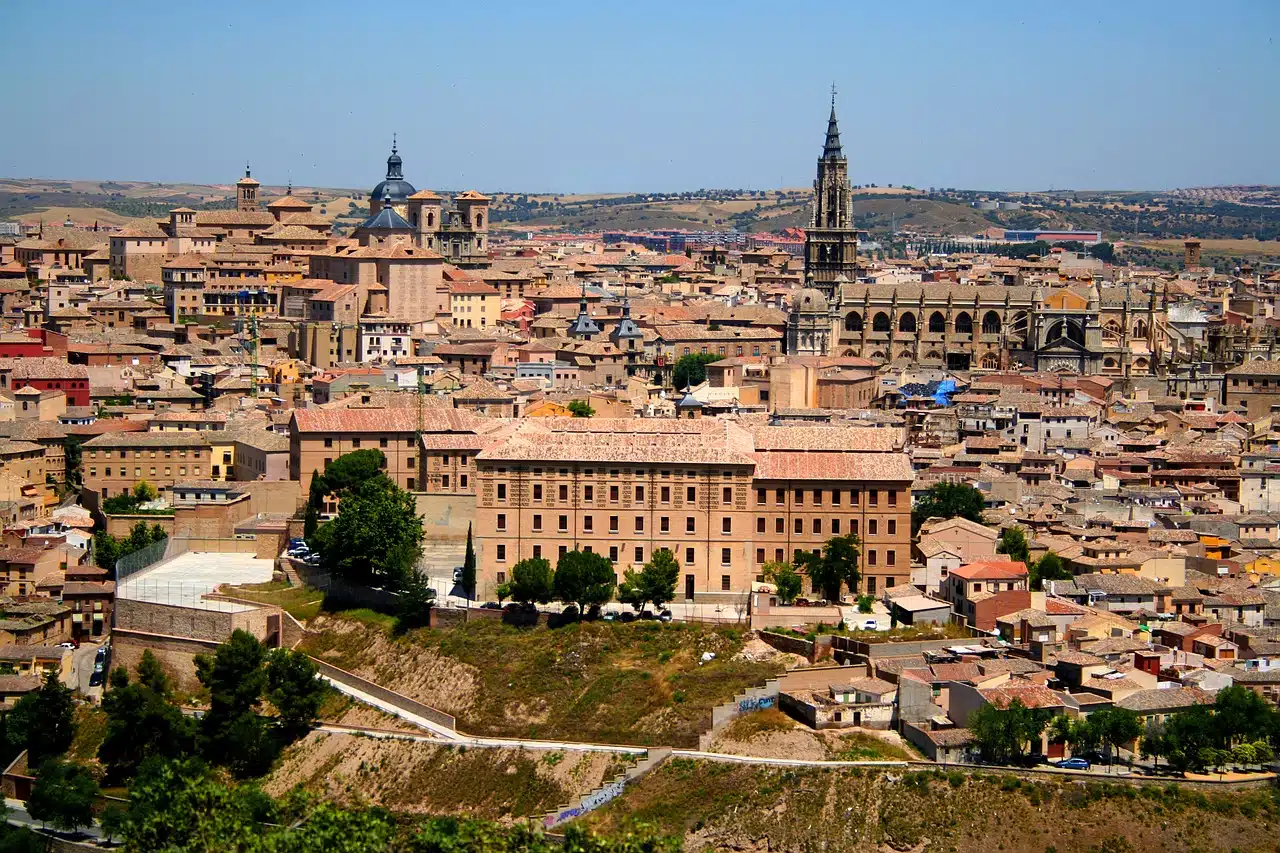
[{"x": 553, "y": 100}]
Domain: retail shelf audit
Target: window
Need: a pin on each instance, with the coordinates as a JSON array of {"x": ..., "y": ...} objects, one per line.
[
  {"x": 724, "y": 583},
  {"x": 817, "y": 527},
  {"x": 564, "y": 493},
  {"x": 726, "y": 495},
  {"x": 382, "y": 442},
  {"x": 355, "y": 442},
  {"x": 777, "y": 555},
  {"x": 563, "y": 523},
  {"x": 871, "y": 557},
  {"x": 893, "y": 526},
  {"x": 871, "y": 586},
  {"x": 502, "y": 577},
  {"x": 613, "y": 553},
  {"x": 410, "y": 462},
  {"x": 761, "y": 494},
  {"x": 893, "y": 494},
  {"x": 691, "y": 494},
  {"x": 760, "y": 525},
  {"x": 639, "y": 553},
  {"x": 666, "y": 494},
  {"x": 328, "y": 442},
  {"x": 799, "y": 526},
  {"x": 502, "y": 521},
  {"x": 689, "y": 524},
  {"x": 444, "y": 481},
  {"x": 871, "y": 527},
  {"x": 639, "y": 494},
  {"x": 639, "y": 524},
  {"x": 462, "y": 480},
  {"x": 537, "y": 524},
  {"x": 688, "y": 556},
  {"x": 664, "y": 524},
  {"x": 873, "y": 497},
  {"x": 613, "y": 524},
  {"x": 588, "y": 524},
  {"x": 835, "y": 497},
  {"x": 817, "y": 497},
  {"x": 502, "y": 491},
  {"x": 562, "y": 550},
  {"x": 502, "y": 553},
  {"x": 799, "y": 497},
  {"x": 726, "y": 556},
  {"x": 835, "y": 527},
  {"x": 588, "y": 493},
  {"x": 613, "y": 494},
  {"x": 759, "y": 555},
  {"x": 779, "y": 526},
  {"x": 891, "y": 558},
  {"x": 726, "y": 526}
]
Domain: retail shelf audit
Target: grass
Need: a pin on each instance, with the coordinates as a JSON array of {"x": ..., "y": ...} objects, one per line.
[
  {"x": 91, "y": 730},
  {"x": 747, "y": 726},
  {"x": 637, "y": 683},
  {"x": 300, "y": 602},
  {"x": 859, "y": 746}
]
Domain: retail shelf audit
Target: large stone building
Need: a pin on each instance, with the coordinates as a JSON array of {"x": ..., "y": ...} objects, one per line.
[{"x": 724, "y": 498}]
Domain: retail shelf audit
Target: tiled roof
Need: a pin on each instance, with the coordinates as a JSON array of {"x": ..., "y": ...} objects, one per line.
[
  {"x": 379, "y": 420},
  {"x": 42, "y": 368},
  {"x": 1160, "y": 699}
]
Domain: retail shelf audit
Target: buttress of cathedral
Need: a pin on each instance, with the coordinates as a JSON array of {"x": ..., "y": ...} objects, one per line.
[
  {"x": 1071, "y": 328},
  {"x": 457, "y": 228}
]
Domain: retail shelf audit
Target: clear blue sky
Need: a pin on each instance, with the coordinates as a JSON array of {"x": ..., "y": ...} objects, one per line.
[{"x": 655, "y": 95}]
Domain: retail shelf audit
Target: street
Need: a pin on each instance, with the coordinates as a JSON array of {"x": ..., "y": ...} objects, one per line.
[
  {"x": 18, "y": 816},
  {"x": 82, "y": 661}
]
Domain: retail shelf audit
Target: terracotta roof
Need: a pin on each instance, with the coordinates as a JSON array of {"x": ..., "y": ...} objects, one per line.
[
  {"x": 991, "y": 570},
  {"x": 377, "y": 420}
]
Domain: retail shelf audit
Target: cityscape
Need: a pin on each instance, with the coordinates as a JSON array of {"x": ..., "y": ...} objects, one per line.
[{"x": 437, "y": 514}]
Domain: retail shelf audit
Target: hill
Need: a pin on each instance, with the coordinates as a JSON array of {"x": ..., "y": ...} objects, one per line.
[{"x": 722, "y": 806}]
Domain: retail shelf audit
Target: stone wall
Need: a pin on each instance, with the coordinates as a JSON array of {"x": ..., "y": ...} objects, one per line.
[
  {"x": 377, "y": 691},
  {"x": 791, "y": 645},
  {"x": 120, "y": 525},
  {"x": 187, "y": 622},
  {"x": 176, "y": 654}
]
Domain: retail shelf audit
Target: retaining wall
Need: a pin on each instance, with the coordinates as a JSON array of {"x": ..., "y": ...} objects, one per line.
[{"x": 404, "y": 703}]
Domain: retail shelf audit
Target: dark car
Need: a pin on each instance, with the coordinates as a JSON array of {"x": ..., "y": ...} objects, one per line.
[
  {"x": 1076, "y": 763},
  {"x": 98, "y": 677}
]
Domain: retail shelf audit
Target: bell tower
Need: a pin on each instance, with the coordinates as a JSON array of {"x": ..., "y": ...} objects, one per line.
[
  {"x": 831, "y": 242},
  {"x": 247, "y": 192}
]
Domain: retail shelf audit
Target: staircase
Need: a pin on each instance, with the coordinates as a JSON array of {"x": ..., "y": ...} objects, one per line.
[{"x": 595, "y": 799}]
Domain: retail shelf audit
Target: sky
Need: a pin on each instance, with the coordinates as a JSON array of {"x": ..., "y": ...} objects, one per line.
[{"x": 645, "y": 96}]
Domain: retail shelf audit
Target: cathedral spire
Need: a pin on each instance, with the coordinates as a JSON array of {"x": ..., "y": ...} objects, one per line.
[
  {"x": 394, "y": 163},
  {"x": 831, "y": 150}
]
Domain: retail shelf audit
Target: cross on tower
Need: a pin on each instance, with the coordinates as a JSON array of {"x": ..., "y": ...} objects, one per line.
[{"x": 833, "y": 93}]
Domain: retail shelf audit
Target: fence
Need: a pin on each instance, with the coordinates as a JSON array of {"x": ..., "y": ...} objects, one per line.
[{"x": 141, "y": 559}]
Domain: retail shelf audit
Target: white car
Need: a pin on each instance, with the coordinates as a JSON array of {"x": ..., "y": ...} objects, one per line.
[
  {"x": 870, "y": 625},
  {"x": 66, "y": 645}
]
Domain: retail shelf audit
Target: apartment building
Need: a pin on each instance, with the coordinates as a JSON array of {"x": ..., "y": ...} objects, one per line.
[
  {"x": 116, "y": 462},
  {"x": 722, "y": 498}
]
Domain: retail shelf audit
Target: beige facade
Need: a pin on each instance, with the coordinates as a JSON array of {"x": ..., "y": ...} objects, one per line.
[{"x": 114, "y": 463}]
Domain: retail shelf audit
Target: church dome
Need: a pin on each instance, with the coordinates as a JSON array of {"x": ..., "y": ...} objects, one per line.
[
  {"x": 395, "y": 188},
  {"x": 809, "y": 300}
]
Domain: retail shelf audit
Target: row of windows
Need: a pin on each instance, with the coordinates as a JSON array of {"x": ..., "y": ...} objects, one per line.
[
  {"x": 690, "y": 524},
  {"x": 724, "y": 350},
  {"x": 355, "y": 442},
  {"x": 637, "y": 494},
  {"x": 818, "y": 495},
  {"x": 137, "y": 472},
  {"x": 137, "y": 454},
  {"x": 615, "y": 551}
]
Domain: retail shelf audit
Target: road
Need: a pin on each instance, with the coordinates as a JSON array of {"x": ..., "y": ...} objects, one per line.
[
  {"x": 18, "y": 816},
  {"x": 82, "y": 661}
]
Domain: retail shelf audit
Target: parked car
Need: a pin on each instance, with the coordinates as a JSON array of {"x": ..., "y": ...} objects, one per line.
[
  {"x": 312, "y": 559},
  {"x": 101, "y": 654},
  {"x": 457, "y": 575},
  {"x": 491, "y": 605},
  {"x": 98, "y": 677},
  {"x": 66, "y": 645},
  {"x": 665, "y": 616},
  {"x": 870, "y": 625},
  {"x": 1076, "y": 763},
  {"x": 299, "y": 553},
  {"x": 296, "y": 541}
]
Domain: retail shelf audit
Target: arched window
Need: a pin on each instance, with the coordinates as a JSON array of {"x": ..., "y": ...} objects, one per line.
[
  {"x": 1020, "y": 323},
  {"x": 964, "y": 323},
  {"x": 1065, "y": 329},
  {"x": 1139, "y": 329},
  {"x": 880, "y": 323},
  {"x": 479, "y": 220},
  {"x": 853, "y": 322},
  {"x": 990, "y": 361},
  {"x": 937, "y": 323},
  {"x": 991, "y": 323},
  {"x": 431, "y": 220},
  {"x": 933, "y": 354},
  {"x": 877, "y": 354},
  {"x": 907, "y": 323},
  {"x": 1108, "y": 362}
]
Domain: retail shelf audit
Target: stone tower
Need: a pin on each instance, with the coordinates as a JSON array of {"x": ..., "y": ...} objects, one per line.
[
  {"x": 831, "y": 243},
  {"x": 1191, "y": 254},
  {"x": 247, "y": 192}
]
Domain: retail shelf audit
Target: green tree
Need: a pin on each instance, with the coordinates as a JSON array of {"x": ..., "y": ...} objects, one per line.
[
  {"x": 376, "y": 539},
  {"x": 785, "y": 580},
  {"x": 1187, "y": 734},
  {"x": 1241, "y": 715},
  {"x": 351, "y": 470},
  {"x": 654, "y": 584},
  {"x": 948, "y": 500},
  {"x": 112, "y": 821},
  {"x": 141, "y": 722},
  {"x": 106, "y": 550},
  {"x": 1153, "y": 745},
  {"x": 532, "y": 580},
  {"x": 580, "y": 409},
  {"x": 691, "y": 369},
  {"x": 144, "y": 492},
  {"x": 63, "y": 795},
  {"x": 42, "y": 722},
  {"x": 583, "y": 579},
  {"x": 1013, "y": 543},
  {"x": 1003, "y": 734},
  {"x": 1115, "y": 727},
  {"x": 310, "y": 521},
  {"x": 416, "y": 600},
  {"x": 1048, "y": 568},
  {"x": 837, "y": 564},
  {"x": 231, "y": 732},
  {"x": 469, "y": 567},
  {"x": 1243, "y": 753},
  {"x": 294, "y": 690}
]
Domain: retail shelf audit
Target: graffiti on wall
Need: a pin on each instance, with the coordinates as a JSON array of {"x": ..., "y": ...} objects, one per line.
[
  {"x": 756, "y": 703},
  {"x": 591, "y": 802}
]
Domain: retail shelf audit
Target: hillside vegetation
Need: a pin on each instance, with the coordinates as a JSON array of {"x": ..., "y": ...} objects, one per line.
[
  {"x": 717, "y": 806},
  {"x": 639, "y": 683}
]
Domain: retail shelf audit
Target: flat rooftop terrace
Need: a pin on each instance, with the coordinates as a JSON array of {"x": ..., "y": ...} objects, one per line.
[{"x": 184, "y": 580}]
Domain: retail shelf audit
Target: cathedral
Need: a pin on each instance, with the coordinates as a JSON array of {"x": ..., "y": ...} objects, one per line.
[{"x": 1077, "y": 329}]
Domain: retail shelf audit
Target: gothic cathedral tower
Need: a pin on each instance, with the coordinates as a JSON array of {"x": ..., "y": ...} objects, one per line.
[{"x": 831, "y": 243}]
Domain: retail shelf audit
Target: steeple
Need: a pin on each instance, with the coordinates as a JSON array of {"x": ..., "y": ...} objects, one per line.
[
  {"x": 583, "y": 326},
  {"x": 831, "y": 150},
  {"x": 626, "y": 327},
  {"x": 394, "y": 163}
]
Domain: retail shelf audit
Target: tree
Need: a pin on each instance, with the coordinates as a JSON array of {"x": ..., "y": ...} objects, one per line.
[
  {"x": 948, "y": 500},
  {"x": 42, "y": 722},
  {"x": 1048, "y": 568},
  {"x": 784, "y": 578},
  {"x": 144, "y": 492},
  {"x": 584, "y": 579},
  {"x": 532, "y": 580},
  {"x": 1013, "y": 543},
  {"x": 1153, "y": 744},
  {"x": 106, "y": 550},
  {"x": 141, "y": 722},
  {"x": 691, "y": 369},
  {"x": 1187, "y": 733},
  {"x": 469, "y": 567},
  {"x": 1241, "y": 715},
  {"x": 580, "y": 409},
  {"x": 1115, "y": 727},
  {"x": 231, "y": 732},
  {"x": 1003, "y": 734},
  {"x": 294, "y": 690},
  {"x": 836, "y": 564},
  {"x": 655, "y": 583},
  {"x": 112, "y": 821},
  {"x": 416, "y": 600},
  {"x": 63, "y": 795},
  {"x": 376, "y": 538},
  {"x": 1243, "y": 753},
  {"x": 310, "y": 521},
  {"x": 351, "y": 470},
  {"x": 502, "y": 591}
]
